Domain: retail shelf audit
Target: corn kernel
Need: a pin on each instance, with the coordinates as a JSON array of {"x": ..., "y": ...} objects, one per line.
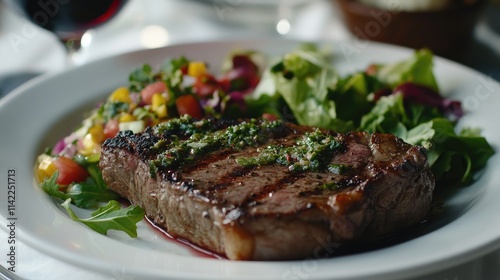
[
  {"x": 157, "y": 101},
  {"x": 121, "y": 94},
  {"x": 197, "y": 69},
  {"x": 159, "y": 105},
  {"x": 161, "y": 111},
  {"x": 126, "y": 118},
  {"x": 97, "y": 133}
]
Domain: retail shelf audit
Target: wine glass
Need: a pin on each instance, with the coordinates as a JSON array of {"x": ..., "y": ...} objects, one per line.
[{"x": 68, "y": 19}]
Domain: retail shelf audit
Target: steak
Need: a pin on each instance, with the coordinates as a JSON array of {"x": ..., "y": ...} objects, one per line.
[{"x": 262, "y": 190}]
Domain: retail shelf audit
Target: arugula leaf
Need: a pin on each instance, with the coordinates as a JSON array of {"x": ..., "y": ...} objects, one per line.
[
  {"x": 96, "y": 176},
  {"x": 50, "y": 187},
  {"x": 84, "y": 194},
  {"x": 110, "y": 216},
  {"x": 87, "y": 194}
]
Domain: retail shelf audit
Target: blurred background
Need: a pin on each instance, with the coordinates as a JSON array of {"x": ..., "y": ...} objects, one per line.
[{"x": 464, "y": 30}]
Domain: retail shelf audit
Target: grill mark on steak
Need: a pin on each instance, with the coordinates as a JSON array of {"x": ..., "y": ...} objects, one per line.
[
  {"x": 227, "y": 179},
  {"x": 267, "y": 212},
  {"x": 206, "y": 161},
  {"x": 237, "y": 172},
  {"x": 287, "y": 180}
]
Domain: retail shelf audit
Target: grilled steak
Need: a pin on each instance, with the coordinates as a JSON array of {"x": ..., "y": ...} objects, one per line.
[{"x": 260, "y": 190}]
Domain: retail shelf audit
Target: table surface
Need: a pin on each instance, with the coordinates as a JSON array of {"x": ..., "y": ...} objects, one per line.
[{"x": 154, "y": 23}]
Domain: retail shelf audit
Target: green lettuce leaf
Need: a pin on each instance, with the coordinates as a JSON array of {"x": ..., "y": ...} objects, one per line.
[
  {"x": 387, "y": 116},
  {"x": 352, "y": 96},
  {"x": 317, "y": 96},
  {"x": 303, "y": 80},
  {"x": 271, "y": 104},
  {"x": 417, "y": 69},
  {"x": 454, "y": 158}
]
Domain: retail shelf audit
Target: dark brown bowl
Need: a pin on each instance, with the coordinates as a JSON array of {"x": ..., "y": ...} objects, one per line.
[{"x": 446, "y": 32}]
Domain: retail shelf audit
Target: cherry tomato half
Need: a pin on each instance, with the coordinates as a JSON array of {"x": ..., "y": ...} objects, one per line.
[{"x": 69, "y": 171}]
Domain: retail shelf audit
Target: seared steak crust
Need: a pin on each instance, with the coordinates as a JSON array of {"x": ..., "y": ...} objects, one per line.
[{"x": 267, "y": 212}]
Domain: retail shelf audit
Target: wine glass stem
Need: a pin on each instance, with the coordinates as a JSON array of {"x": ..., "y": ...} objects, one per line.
[{"x": 73, "y": 46}]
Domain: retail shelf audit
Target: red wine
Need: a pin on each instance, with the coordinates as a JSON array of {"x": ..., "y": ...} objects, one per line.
[{"x": 68, "y": 17}]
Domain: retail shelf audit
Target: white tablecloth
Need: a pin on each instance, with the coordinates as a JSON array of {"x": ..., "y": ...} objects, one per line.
[{"x": 24, "y": 47}]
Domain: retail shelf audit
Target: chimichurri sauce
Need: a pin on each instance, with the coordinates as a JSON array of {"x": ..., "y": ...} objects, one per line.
[{"x": 189, "y": 139}]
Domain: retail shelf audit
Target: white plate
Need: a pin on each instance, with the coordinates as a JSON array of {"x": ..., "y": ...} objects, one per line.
[{"x": 46, "y": 109}]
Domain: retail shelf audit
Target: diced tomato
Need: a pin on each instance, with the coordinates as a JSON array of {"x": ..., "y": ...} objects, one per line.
[
  {"x": 148, "y": 92},
  {"x": 111, "y": 129},
  {"x": 184, "y": 69},
  {"x": 69, "y": 171},
  {"x": 187, "y": 104}
]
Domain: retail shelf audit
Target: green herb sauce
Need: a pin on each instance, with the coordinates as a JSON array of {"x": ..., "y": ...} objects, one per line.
[
  {"x": 311, "y": 152},
  {"x": 202, "y": 139}
]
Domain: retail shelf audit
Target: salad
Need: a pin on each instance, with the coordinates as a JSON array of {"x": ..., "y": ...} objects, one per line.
[{"x": 302, "y": 86}]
